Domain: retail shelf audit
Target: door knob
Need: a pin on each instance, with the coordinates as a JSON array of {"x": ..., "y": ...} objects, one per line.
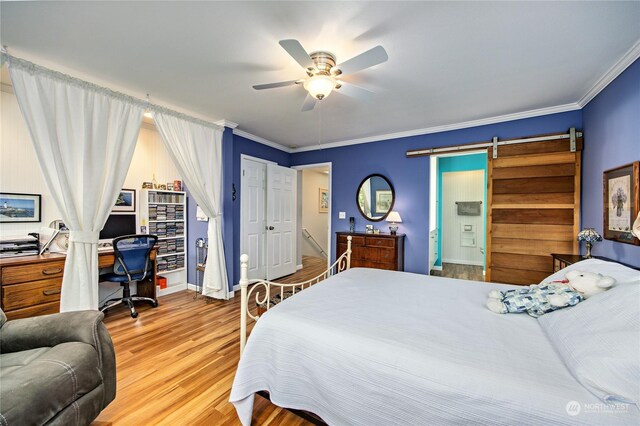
[{"x": 270, "y": 228}]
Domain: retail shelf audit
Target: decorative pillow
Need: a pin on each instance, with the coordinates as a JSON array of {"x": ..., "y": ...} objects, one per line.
[
  {"x": 599, "y": 341},
  {"x": 3, "y": 318},
  {"x": 622, "y": 274}
]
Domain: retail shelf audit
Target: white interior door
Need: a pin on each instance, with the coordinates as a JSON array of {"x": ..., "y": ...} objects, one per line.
[
  {"x": 253, "y": 216},
  {"x": 281, "y": 221}
]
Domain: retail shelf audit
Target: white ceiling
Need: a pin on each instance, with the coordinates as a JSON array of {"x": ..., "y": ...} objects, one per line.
[{"x": 449, "y": 62}]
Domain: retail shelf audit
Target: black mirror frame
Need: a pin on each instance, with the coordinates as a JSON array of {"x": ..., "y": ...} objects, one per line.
[{"x": 393, "y": 197}]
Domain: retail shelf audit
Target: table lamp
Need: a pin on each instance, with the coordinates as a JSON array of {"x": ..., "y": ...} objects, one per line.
[
  {"x": 394, "y": 218},
  {"x": 590, "y": 236}
]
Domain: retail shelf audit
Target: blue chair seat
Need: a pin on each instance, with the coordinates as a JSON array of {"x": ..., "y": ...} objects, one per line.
[{"x": 121, "y": 278}]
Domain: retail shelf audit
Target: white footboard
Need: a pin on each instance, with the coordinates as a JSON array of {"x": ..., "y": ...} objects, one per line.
[{"x": 342, "y": 263}]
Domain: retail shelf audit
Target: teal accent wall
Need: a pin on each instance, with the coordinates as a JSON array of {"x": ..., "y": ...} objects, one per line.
[{"x": 460, "y": 163}]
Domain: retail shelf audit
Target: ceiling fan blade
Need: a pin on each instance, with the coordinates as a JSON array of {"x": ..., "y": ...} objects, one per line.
[
  {"x": 371, "y": 57},
  {"x": 297, "y": 52},
  {"x": 354, "y": 91},
  {"x": 274, "y": 85},
  {"x": 309, "y": 103}
]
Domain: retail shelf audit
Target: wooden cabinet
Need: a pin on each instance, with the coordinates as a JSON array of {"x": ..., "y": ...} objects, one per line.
[
  {"x": 31, "y": 285},
  {"x": 381, "y": 251}
]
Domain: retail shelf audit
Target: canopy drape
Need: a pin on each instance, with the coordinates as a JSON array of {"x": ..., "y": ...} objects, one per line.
[
  {"x": 196, "y": 150},
  {"x": 84, "y": 137}
]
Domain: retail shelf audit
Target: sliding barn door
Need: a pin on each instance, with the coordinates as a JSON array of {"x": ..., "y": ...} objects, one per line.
[{"x": 533, "y": 209}]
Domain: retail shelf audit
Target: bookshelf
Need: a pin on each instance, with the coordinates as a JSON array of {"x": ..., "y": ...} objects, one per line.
[{"x": 164, "y": 215}]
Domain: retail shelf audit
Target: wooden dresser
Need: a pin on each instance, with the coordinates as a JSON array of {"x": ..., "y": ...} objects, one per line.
[
  {"x": 381, "y": 251},
  {"x": 31, "y": 284}
]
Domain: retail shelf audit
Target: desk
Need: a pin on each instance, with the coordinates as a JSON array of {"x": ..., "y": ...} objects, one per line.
[{"x": 31, "y": 284}]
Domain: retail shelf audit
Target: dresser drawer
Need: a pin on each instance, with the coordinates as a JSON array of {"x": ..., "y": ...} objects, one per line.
[
  {"x": 18, "y": 296},
  {"x": 374, "y": 254},
  {"x": 32, "y": 272},
  {"x": 380, "y": 242},
  {"x": 34, "y": 311},
  {"x": 356, "y": 240}
]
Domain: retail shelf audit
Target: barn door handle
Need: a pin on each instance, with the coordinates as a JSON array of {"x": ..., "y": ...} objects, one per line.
[{"x": 270, "y": 228}]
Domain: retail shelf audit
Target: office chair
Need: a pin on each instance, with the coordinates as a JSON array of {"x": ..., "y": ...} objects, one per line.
[{"x": 132, "y": 263}]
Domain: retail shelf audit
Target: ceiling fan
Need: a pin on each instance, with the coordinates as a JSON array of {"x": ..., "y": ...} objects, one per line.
[{"x": 324, "y": 75}]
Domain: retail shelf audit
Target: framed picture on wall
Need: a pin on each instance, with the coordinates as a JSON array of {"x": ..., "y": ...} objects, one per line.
[
  {"x": 384, "y": 199},
  {"x": 15, "y": 208},
  {"x": 323, "y": 200},
  {"x": 621, "y": 202},
  {"x": 126, "y": 201}
]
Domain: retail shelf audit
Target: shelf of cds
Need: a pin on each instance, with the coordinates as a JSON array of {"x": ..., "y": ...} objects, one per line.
[{"x": 163, "y": 214}]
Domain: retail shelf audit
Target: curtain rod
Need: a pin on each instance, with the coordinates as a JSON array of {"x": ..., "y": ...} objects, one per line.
[
  {"x": 494, "y": 143},
  {"x": 145, "y": 103}
]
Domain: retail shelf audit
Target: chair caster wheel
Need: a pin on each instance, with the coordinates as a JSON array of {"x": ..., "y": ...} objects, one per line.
[
  {"x": 154, "y": 304},
  {"x": 134, "y": 315}
]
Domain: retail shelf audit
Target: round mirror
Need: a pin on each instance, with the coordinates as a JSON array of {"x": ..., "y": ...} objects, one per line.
[{"x": 375, "y": 197}]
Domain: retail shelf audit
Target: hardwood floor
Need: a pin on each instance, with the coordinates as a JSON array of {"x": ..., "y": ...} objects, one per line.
[
  {"x": 176, "y": 362},
  {"x": 463, "y": 272}
]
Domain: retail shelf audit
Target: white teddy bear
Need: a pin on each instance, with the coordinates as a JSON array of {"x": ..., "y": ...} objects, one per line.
[{"x": 538, "y": 299}]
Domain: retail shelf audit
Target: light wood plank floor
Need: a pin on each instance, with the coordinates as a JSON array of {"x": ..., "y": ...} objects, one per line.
[
  {"x": 463, "y": 272},
  {"x": 176, "y": 363}
]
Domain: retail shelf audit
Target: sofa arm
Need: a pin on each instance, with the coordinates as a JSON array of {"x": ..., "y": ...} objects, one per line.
[{"x": 51, "y": 330}]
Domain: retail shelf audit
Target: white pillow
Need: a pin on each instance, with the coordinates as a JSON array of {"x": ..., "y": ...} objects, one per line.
[
  {"x": 622, "y": 274},
  {"x": 599, "y": 341}
]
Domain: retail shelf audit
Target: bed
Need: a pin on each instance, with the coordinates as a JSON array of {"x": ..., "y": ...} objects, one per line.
[{"x": 374, "y": 347}]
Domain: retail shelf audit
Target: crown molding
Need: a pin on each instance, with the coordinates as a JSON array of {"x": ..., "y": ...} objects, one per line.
[
  {"x": 447, "y": 127},
  {"x": 627, "y": 59},
  {"x": 263, "y": 141},
  {"x": 226, "y": 123}
]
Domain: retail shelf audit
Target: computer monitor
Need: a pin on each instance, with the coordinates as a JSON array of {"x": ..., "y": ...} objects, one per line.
[{"x": 118, "y": 225}]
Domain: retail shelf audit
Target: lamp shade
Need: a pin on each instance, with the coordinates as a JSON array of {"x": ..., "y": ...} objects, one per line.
[
  {"x": 320, "y": 86},
  {"x": 589, "y": 235},
  {"x": 394, "y": 217}
]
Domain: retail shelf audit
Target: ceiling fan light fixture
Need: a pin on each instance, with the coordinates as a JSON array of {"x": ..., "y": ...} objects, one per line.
[{"x": 320, "y": 86}]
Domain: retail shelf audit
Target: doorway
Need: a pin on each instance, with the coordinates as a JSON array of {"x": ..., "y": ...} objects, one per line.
[
  {"x": 313, "y": 209},
  {"x": 458, "y": 198},
  {"x": 268, "y": 218},
  {"x": 314, "y": 213}
]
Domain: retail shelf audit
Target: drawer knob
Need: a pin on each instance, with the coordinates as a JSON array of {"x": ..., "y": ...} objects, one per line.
[
  {"x": 50, "y": 292},
  {"x": 51, "y": 271}
]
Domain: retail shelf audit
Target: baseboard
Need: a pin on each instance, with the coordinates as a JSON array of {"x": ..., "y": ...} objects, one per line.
[
  {"x": 172, "y": 289},
  {"x": 298, "y": 267},
  {"x": 436, "y": 268}
]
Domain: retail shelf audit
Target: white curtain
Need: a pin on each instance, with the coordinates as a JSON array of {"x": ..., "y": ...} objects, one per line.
[
  {"x": 196, "y": 150},
  {"x": 84, "y": 137}
]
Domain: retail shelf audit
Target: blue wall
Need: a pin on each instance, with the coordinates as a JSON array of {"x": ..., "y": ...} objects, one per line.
[
  {"x": 459, "y": 163},
  {"x": 612, "y": 139},
  {"x": 410, "y": 176}
]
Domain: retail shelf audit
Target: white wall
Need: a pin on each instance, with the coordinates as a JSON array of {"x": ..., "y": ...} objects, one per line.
[
  {"x": 312, "y": 219},
  {"x": 462, "y": 186},
  {"x": 20, "y": 172}
]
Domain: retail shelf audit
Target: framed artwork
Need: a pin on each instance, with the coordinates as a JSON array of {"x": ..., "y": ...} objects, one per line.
[
  {"x": 126, "y": 201},
  {"x": 323, "y": 200},
  {"x": 15, "y": 208},
  {"x": 383, "y": 201},
  {"x": 621, "y": 191}
]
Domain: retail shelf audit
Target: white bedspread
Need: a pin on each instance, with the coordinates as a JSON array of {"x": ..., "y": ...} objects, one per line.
[{"x": 372, "y": 347}]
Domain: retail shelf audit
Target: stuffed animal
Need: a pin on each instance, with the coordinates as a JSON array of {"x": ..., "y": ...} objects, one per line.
[{"x": 538, "y": 299}]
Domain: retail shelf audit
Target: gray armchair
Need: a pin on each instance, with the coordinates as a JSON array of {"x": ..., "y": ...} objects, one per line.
[{"x": 55, "y": 369}]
